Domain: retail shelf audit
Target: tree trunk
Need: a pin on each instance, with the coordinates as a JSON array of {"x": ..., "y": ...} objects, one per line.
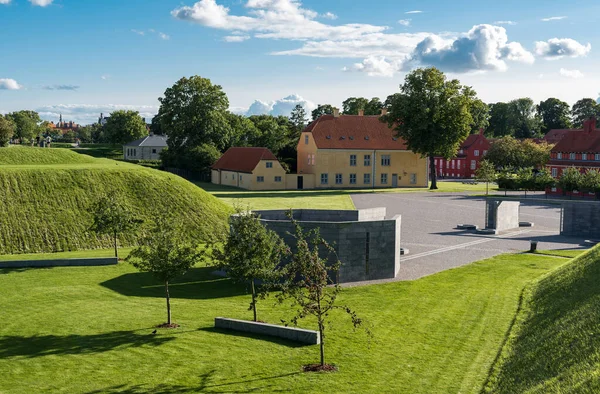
[
  {"x": 168, "y": 302},
  {"x": 487, "y": 188},
  {"x": 116, "y": 249},
  {"x": 432, "y": 171},
  {"x": 253, "y": 299},
  {"x": 322, "y": 345}
]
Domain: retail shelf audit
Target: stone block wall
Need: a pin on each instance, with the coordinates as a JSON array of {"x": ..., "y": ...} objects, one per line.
[
  {"x": 502, "y": 215},
  {"x": 581, "y": 219}
]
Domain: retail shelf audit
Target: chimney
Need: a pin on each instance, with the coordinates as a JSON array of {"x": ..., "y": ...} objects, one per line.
[
  {"x": 336, "y": 113},
  {"x": 361, "y": 112},
  {"x": 589, "y": 125},
  {"x": 384, "y": 111},
  {"x": 481, "y": 131}
]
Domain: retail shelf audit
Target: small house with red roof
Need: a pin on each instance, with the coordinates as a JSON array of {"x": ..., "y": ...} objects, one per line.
[
  {"x": 356, "y": 151},
  {"x": 579, "y": 148},
  {"x": 249, "y": 168},
  {"x": 466, "y": 162}
]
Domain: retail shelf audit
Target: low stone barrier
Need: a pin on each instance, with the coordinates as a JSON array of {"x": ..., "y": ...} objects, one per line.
[
  {"x": 290, "y": 333},
  {"x": 91, "y": 262}
]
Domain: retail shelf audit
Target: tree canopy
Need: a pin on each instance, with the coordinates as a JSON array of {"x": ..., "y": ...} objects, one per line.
[
  {"x": 325, "y": 109},
  {"x": 7, "y": 130},
  {"x": 124, "y": 126},
  {"x": 26, "y": 123},
  {"x": 432, "y": 114},
  {"x": 583, "y": 110},
  {"x": 511, "y": 153},
  {"x": 555, "y": 114}
]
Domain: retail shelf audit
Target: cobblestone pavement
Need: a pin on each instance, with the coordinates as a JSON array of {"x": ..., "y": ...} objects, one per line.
[{"x": 429, "y": 231}]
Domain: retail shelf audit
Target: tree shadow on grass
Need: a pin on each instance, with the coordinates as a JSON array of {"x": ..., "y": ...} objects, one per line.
[
  {"x": 46, "y": 345},
  {"x": 203, "y": 386},
  {"x": 279, "y": 341},
  {"x": 197, "y": 284}
]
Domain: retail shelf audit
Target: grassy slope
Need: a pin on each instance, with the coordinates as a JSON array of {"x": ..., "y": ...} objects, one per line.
[
  {"x": 45, "y": 207},
  {"x": 88, "y": 330},
  {"x": 555, "y": 343}
]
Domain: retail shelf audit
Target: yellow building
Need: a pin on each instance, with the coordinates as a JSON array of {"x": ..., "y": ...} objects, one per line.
[
  {"x": 249, "y": 168},
  {"x": 357, "y": 151}
]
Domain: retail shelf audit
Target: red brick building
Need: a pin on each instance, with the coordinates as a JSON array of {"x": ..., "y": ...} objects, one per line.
[
  {"x": 578, "y": 148},
  {"x": 466, "y": 162}
]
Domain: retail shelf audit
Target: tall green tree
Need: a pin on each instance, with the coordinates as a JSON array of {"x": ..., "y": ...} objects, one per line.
[
  {"x": 480, "y": 112},
  {"x": 193, "y": 112},
  {"x": 273, "y": 132},
  {"x": 373, "y": 107},
  {"x": 7, "y": 130},
  {"x": 510, "y": 153},
  {"x": 432, "y": 115},
  {"x": 523, "y": 121},
  {"x": 555, "y": 114},
  {"x": 298, "y": 119},
  {"x": 325, "y": 109},
  {"x": 167, "y": 254},
  {"x": 499, "y": 120},
  {"x": 352, "y": 105},
  {"x": 583, "y": 110},
  {"x": 309, "y": 284},
  {"x": 252, "y": 254},
  {"x": 27, "y": 124},
  {"x": 124, "y": 126},
  {"x": 112, "y": 217}
]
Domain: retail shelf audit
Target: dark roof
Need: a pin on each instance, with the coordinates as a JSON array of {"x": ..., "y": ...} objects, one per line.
[
  {"x": 159, "y": 141},
  {"x": 579, "y": 141},
  {"x": 554, "y": 136},
  {"x": 354, "y": 132},
  {"x": 243, "y": 159}
]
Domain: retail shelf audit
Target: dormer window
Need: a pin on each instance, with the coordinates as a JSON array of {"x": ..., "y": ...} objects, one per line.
[
  {"x": 328, "y": 137},
  {"x": 351, "y": 138},
  {"x": 367, "y": 137},
  {"x": 559, "y": 156},
  {"x": 343, "y": 137},
  {"x": 572, "y": 156}
]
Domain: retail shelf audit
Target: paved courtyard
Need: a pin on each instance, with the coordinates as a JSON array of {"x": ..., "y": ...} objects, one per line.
[{"x": 429, "y": 223}]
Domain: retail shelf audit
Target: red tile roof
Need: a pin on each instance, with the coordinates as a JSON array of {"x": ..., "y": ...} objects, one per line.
[
  {"x": 554, "y": 136},
  {"x": 354, "y": 132},
  {"x": 471, "y": 139},
  {"x": 579, "y": 141},
  {"x": 243, "y": 159}
]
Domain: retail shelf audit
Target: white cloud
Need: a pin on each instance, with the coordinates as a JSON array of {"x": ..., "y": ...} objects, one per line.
[
  {"x": 139, "y": 32},
  {"x": 556, "y": 48},
  {"x": 9, "y": 84},
  {"x": 282, "y": 106},
  {"x": 404, "y": 22},
  {"x": 89, "y": 113},
  {"x": 484, "y": 47},
  {"x": 105, "y": 77},
  {"x": 163, "y": 36},
  {"x": 576, "y": 74},
  {"x": 4, "y": 1},
  {"x": 61, "y": 87},
  {"x": 414, "y": 12},
  {"x": 376, "y": 67},
  {"x": 554, "y": 18},
  {"x": 240, "y": 38},
  {"x": 329, "y": 15},
  {"x": 41, "y": 3},
  {"x": 509, "y": 23}
]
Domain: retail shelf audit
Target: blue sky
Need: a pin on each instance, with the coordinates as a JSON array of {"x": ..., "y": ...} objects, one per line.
[{"x": 81, "y": 58}]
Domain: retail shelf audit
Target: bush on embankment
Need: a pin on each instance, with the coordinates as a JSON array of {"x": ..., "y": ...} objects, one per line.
[{"x": 554, "y": 345}]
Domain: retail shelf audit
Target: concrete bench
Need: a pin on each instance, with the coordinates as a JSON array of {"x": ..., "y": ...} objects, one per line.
[{"x": 290, "y": 333}]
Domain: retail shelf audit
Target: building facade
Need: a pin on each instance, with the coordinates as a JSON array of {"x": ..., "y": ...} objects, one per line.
[
  {"x": 147, "y": 148},
  {"x": 468, "y": 159},
  {"x": 356, "y": 151},
  {"x": 249, "y": 168},
  {"x": 579, "y": 148},
  {"x": 63, "y": 126}
]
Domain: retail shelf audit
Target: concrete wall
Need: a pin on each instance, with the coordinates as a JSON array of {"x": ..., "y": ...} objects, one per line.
[
  {"x": 60, "y": 263},
  {"x": 581, "y": 219},
  {"x": 142, "y": 152},
  {"x": 309, "y": 337},
  {"x": 368, "y": 249},
  {"x": 325, "y": 215},
  {"x": 502, "y": 215}
]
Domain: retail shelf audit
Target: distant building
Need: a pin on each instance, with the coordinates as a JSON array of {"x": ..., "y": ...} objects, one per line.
[
  {"x": 466, "y": 162},
  {"x": 103, "y": 119},
  {"x": 147, "y": 148},
  {"x": 249, "y": 168},
  {"x": 62, "y": 126},
  {"x": 579, "y": 148}
]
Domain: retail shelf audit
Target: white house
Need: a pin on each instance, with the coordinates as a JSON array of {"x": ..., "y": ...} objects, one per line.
[{"x": 147, "y": 148}]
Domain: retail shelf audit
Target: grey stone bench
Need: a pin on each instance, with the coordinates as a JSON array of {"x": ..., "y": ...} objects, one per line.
[{"x": 290, "y": 333}]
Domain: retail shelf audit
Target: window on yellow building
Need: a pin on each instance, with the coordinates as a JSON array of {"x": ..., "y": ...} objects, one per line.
[
  {"x": 367, "y": 179},
  {"x": 339, "y": 179},
  {"x": 353, "y": 160},
  {"x": 277, "y": 179},
  {"x": 367, "y": 160},
  {"x": 269, "y": 164},
  {"x": 313, "y": 159},
  {"x": 260, "y": 179},
  {"x": 386, "y": 160},
  {"x": 306, "y": 140},
  {"x": 324, "y": 179},
  {"x": 353, "y": 179},
  {"x": 384, "y": 179}
]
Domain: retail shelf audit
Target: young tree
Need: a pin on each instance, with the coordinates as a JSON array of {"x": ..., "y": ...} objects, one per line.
[
  {"x": 570, "y": 179},
  {"x": 583, "y": 110},
  {"x": 252, "y": 254},
  {"x": 525, "y": 179},
  {"x": 298, "y": 119},
  {"x": 167, "y": 255},
  {"x": 555, "y": 114},
  {"x": 508, "y": 152},
  {"x": 432, "y": 115},
  {"x": 486, "y": 173},
  {"x": 124, "y": 126},
  {"x": 112, "y": 217},
  {"x": 544, "y": 180},
  {"x": 590, "y": 181},
  {"x": 325, "y": 109},
  {"x": 309, "y": 284},
  {"x": 7, "y": 130}
]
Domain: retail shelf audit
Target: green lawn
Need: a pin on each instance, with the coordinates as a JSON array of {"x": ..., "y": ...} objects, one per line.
[
  {"x": 561, "y": 253},
  {"x": 88, "y": 330},
  {"x": 318, "y": 199},
  {"x": 80, "y": 254}
]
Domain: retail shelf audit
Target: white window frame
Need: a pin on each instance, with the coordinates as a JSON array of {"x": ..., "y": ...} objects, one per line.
[
  {"x": 339, "y": 179},
  {"x": 367, "y": 160},
  {"x": 584, "y": 156},
  {"x": 386, "y": 160},
  {"x": 559, "y": 156},
  {"x": 352, "y": 160},
  {"x": 476, "y": 153},
  {"x": 384, "y": 179},
  {"x": 554, "y": 172},
  {"x": 269, "y": 164},
  {"x": 353, "y": 179},
  {"x": 597, "y": 157},
  {"x": 260, "y": 179},
  {"x": 473, "y": 164},
  {"x": 367, "y": 179},
  {"x": 572, "y": 156},
  {"x": 278, "y": 179},
  {"x": 324, "y": 179}
]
